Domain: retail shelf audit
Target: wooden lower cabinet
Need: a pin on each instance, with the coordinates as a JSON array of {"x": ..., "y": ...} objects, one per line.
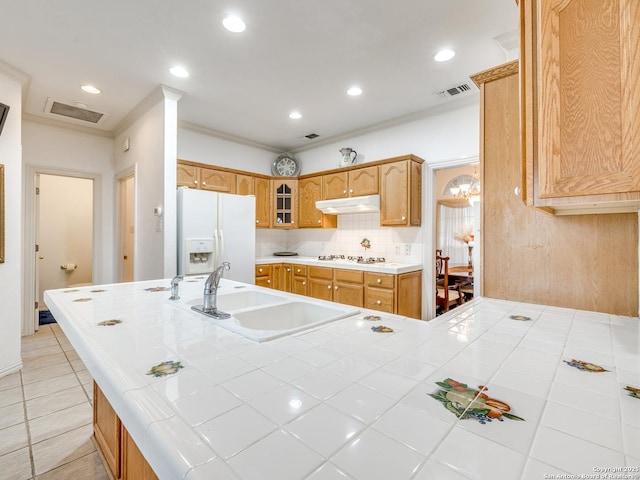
[
  {"x": 263, "y": 275},
  {"x": 122, "y": 456},
  {"x": 400, "y": 294},
  {"x": 106, "y": 430},
  {"x": 348, "y": 287},
  {"x": 134, "y": 465}
]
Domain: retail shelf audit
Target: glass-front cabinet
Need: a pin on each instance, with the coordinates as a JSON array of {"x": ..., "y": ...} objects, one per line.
[{"x": 285, "y": 195}]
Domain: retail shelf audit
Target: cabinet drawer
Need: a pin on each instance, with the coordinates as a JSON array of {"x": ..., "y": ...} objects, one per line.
[
  {"x": 379, "y": 299},
  {"x": 263, "y": 270},
  {"x": 351, "y": 276},
  {"x": 382, "y": 280},
  {"x": 299, "y": 270},
  {"x": 321, "y": 272}
]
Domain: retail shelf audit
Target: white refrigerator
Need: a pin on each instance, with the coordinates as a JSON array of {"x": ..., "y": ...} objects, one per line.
[{"x": 214, "y": 228}]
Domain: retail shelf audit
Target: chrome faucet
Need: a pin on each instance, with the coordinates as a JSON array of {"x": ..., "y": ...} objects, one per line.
[
  {"x": 174, "y": 287},
  {"x": 210, "y": 301}
]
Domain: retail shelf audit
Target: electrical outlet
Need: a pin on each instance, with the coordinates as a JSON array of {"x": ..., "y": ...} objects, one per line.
[
  {"x": 397, "y": 249},
  {"x": 407, "y": 249}
]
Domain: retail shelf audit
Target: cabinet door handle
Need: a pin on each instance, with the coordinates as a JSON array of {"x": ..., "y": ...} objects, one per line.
[
  {"x": 329, "y": 287},
  {"x": 335, "y": 288},
  {"x": 268, "y": 281},
  {"x": 404, "y": 218},
  {"x": 319, "y": 221},
  {"x": 351, "y": 190},
  {"x": 344, "y": 191},
  {"x": 379, "y": 302},
  {"x": 260, "y": 270},
  {"x": 379, "y": 280},
  {"x": 288, "y": 269},
  {"x": 257, "y": 221},
  {"x": 304, "y": 283},
  {"x": 195, "y": 182},
  {"x": 204, "y": 183},
  {"x": 298, "y": 270}
]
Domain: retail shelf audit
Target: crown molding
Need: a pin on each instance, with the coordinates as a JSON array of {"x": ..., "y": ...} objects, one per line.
[
  {"x": 51, "y": 122},
  {"x": 158, "y": 94},
  {"x": 227, "y": 136}
]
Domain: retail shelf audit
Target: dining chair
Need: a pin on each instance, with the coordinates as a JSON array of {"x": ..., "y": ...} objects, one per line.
[{"x": 446, "y": 295}]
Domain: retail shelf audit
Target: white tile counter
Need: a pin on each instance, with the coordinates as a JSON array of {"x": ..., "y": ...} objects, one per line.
[
  {"x": 382, "y": 267},
  {"x": 344, "y": 402}
]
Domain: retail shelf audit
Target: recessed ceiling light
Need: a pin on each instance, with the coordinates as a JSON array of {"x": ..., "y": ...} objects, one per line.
[
  {"x": 295, "y": 115},
  {"x": 179, "y": 72},
  {"x": 354, "y": 91},
  {"x": 444, "y": 55},
  {"x": 91, "y": 89},
  {"x": 234, "y": 24}
]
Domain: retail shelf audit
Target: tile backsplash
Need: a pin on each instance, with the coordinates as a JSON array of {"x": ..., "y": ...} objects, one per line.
[{"x": 395, "y": 244}]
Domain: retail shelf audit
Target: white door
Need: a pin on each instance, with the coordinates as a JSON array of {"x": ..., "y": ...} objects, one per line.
[
  {"x": 126, "y": 187},
  {"x": 64, "y": 233}
]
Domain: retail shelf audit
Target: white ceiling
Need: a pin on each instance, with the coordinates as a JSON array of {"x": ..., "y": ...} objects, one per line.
[{"x": 294, "y": 55}]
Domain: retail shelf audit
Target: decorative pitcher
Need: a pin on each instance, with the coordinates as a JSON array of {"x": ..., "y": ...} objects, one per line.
[{"x": 348, "y": 157}]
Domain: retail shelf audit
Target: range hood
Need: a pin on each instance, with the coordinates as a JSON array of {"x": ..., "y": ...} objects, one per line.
[{"x": 364, "y": 204}]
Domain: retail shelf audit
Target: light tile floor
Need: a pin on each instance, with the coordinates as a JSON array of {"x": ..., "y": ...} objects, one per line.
[{"x": 46, "y": 413}]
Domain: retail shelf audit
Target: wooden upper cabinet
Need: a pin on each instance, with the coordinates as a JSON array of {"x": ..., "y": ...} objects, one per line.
[
  {"x": 244, "y": 185},
  {"x": 187, "y": 176},
  {"x": 580, "y": 72},
  {"x": 335, "y": 185},
  {"x": 285, "y": 203},
  {"x": 351, "y": 183},
  {"x": 217, "y": 180},
  {"x": 309, "y": 192},
  {"x": 401, "y": 193},
  {"x": 262, "y": 191},
  {"x": 363, "y": 181}
]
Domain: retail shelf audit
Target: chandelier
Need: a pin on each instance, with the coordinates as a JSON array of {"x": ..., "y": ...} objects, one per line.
[{"x": 468, "y": 188}]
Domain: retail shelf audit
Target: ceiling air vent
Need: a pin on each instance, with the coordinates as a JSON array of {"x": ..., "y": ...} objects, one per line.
[
  {"x": 74, "y": 113},
  {"x": 455, "y": 91},
  {"x": 311, "y": 136}
]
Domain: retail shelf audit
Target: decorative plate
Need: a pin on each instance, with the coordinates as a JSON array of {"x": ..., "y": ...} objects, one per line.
[{"x": 285, "y": 165}]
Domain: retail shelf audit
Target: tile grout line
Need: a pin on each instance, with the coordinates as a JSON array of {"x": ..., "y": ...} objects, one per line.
[{"x": 26, "y": 423}]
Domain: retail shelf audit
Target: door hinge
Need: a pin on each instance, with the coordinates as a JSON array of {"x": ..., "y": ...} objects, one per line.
[
  {"x": 37, "y": 248},
  {"x": 37, "y": 190},
  {"x": 37, "y": 305}
]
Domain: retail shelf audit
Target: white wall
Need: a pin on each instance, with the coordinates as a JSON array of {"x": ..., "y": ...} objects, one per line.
[
  {"x": 443, "y": 136},
  {"x": 52, "y": 149},
  {"x": 199, "y": 147},
  {"x": 11, "y": 269},
  {"x": 152, "y": 151}
]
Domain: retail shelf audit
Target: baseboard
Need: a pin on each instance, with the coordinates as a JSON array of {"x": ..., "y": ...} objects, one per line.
[{"x": 13, "y": 368}]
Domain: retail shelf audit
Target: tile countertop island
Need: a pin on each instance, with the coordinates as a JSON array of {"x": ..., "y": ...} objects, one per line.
[
  {"x": 491, "y": 390},
  {"x": 382, "y": 267}
]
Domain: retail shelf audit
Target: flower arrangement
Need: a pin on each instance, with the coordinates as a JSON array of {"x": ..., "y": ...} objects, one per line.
[{"x": 466, "y": 236}]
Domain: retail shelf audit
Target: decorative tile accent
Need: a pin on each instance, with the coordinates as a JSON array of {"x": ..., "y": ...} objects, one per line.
[
  {"x": 109, "y": 323},
  {"x": 85, "y": 299},
  {"x": 71, "y": 291},
  {"x": 633, "y": 391},
  {"x": 522, "y": 318},
  {"x": 465, "y": 402},
  {"x": 97, "y": 291},
  {"x": 157, "y": 289},
  {"x": 372, "y": 317},
  {"x": 382, "y": 329},
  {"x": 585, "y": 366},
  {"x": 165, "y": 368}
]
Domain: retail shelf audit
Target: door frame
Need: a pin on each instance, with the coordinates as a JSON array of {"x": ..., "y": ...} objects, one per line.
[
  {"x": 429, "y": 236},
  {"x": 29, "y": 311},
  {"x": 131, "y": 171}
]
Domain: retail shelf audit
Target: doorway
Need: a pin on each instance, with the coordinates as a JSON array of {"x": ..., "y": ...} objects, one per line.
[
  {"x": 126, "y": 226},
  {"x": 64, "y": 234}
]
